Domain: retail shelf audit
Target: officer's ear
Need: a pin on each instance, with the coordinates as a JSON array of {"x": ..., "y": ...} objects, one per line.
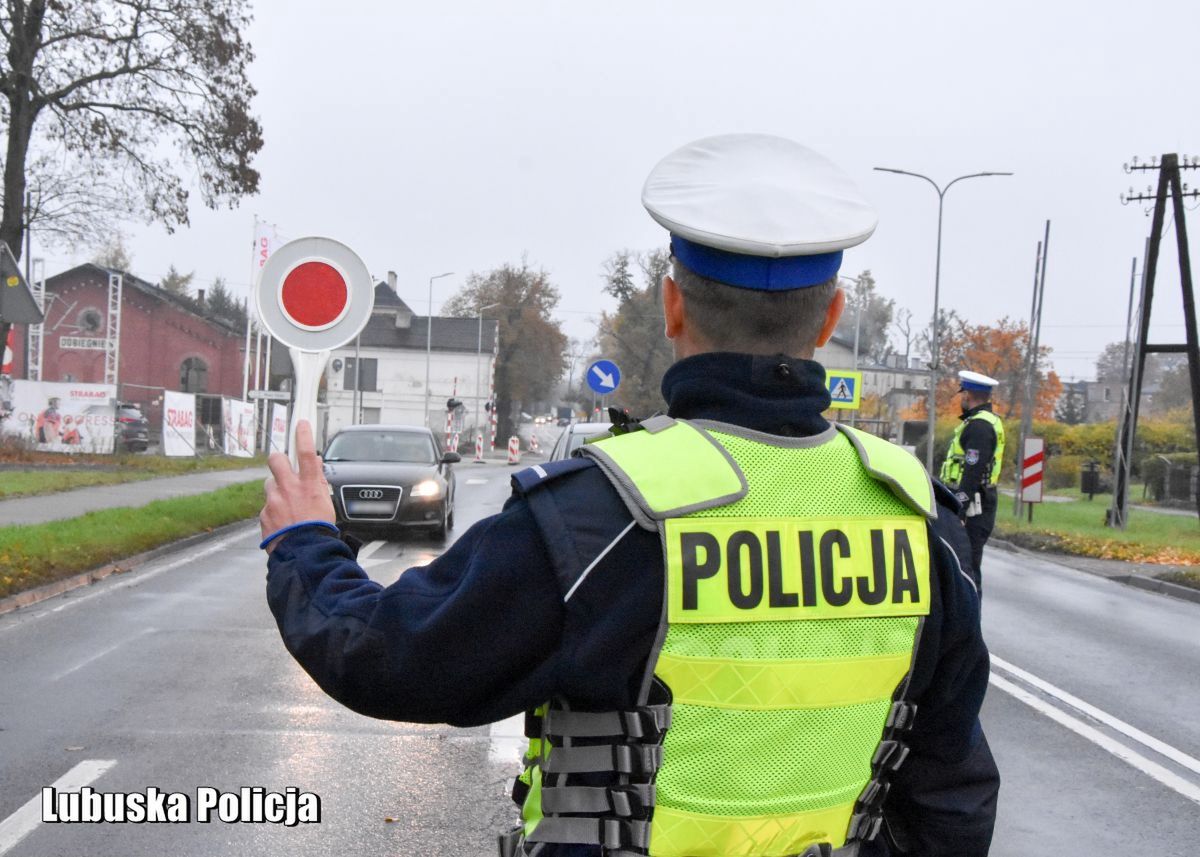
[
  {"x": 672, "y": 297},
  {"x": 832, "y": 316}
]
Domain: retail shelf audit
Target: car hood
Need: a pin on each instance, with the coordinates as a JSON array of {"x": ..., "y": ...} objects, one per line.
[{"x": 377, "y": 473}]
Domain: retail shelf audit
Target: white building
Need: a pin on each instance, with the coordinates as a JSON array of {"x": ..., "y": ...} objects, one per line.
[{"x": 392, "y": 352}]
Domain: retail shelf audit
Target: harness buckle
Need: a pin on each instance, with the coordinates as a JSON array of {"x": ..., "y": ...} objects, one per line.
[
  {"x": 636, "y": 759},
  {"x": 649, "y": 723},
  {"x": 508, "y": 844},
  {"x": 864, "y": 826},
  {"x": 626, "y": 801},
  {"x": 874, "y": 794},
  {"x": 889, "y": 756},
  {"x": 902, "y": 715}
]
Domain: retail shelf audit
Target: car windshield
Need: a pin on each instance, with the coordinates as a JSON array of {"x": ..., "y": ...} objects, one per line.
[{"x": 408, "y": 447}]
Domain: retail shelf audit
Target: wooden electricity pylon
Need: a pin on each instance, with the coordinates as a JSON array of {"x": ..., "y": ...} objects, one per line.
[{"x": 1168, "y": 182}]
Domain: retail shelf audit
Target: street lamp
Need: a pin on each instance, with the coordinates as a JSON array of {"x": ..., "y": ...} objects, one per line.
[
  {"x": 429, "y": 339},
  {"x": 931, "y": 404},
  {"x": 857, "y": 324},
  {"x": 478, "y": 358}
]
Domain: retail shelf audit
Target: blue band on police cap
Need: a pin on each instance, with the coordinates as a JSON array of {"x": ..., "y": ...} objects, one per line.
[
  {"x": 972, "y": 385},
  {"x": 761, "y": 273}
]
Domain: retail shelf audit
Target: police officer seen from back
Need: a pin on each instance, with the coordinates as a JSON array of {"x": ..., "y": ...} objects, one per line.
[
  {"x": 737, "y": 629},
  {"x": 972, "y": 465}
]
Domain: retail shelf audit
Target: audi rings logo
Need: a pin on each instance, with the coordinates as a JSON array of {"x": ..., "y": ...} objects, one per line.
[{"x": 370, "y": 494}]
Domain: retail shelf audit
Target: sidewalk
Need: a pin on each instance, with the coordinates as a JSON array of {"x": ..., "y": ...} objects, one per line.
[
  {"x": 71, "y": 504},
  {"x": 1142, "y": 575}
]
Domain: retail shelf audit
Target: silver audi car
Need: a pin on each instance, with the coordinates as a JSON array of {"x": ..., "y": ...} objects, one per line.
[{"x": 386, "y": 479}]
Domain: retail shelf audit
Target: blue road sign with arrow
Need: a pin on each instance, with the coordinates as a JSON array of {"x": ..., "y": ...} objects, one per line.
[{"x": 603, "y": 377}]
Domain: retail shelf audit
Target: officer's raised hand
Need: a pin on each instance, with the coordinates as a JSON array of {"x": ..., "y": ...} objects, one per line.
[{"x": 296, "y": 498}]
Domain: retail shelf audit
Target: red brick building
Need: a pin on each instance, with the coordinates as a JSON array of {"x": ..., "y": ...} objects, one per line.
[{"x": 164, "y": 341}]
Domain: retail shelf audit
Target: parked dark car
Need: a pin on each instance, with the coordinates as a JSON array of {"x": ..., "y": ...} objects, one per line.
[
  {"x": 132, "y": 427},
  {"x": 388, "y": 478},
  {"x": 574, "y": 437}
]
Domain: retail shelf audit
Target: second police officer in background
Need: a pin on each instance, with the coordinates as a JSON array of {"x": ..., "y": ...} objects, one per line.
[
  {"x": 739, "y": 631},
  {"x": 972, "y": 465}
]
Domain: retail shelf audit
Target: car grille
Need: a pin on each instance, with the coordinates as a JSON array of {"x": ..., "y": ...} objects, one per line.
[{"x": 370, "y": 502}]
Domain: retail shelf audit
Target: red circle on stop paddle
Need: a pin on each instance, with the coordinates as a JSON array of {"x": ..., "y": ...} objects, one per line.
[{"x": 314, "y": 294}]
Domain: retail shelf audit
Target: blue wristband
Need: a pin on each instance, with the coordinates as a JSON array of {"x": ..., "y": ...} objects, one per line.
[{"x": 290, "y": 527}]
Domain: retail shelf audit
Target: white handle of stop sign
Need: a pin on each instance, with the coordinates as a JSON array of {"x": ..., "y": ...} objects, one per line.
[{"x": 308, "y": 367}]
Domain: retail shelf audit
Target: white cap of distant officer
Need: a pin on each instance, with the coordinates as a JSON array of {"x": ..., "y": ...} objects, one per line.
[{"x": 974, "y": 382}]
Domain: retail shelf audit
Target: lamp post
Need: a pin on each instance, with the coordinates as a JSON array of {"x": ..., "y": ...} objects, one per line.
[
  {"x": 931, "y": 403},
  {"x": 429, "y": 339},
  {"x": 857, "y": 324},
  {"x": 478, "y": 358}
]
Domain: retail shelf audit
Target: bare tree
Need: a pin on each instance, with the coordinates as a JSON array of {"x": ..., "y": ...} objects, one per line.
[
  {"x": 903, "y": 325},
  {"x": 103, "y": 101}
]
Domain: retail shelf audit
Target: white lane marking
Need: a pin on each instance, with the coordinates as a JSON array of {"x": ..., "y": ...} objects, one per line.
[
  {"x": 599, "y": 557},
  {"x": 1163, "y": 749},
  {"x": 506, "y": 740},
  {"x": 98, "y": 655},
  {"x": 1171, "y": 780},
  {"x": 22, "y": 822},
  {"x": 141, "y": 576},
  {"x": 365, "y": 552},
  {"x": 477, "y": 482}
]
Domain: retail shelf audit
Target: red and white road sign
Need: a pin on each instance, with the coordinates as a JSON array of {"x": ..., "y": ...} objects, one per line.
[
  {"x": 514, "y": 450},
  {"x": 479, "y": 449},
  {"x": 1033, "y": 461},
  {"x": 313, "y": 295}
]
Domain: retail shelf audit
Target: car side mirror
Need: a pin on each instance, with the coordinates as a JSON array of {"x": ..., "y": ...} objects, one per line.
[{"x": 451, "y": 458}]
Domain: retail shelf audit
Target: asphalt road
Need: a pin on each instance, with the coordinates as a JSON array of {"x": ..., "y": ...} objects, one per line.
[{"x": 173, "y": 676}]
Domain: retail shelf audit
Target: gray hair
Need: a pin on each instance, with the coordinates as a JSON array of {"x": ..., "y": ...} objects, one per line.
[{"x": 728, "y": 318}]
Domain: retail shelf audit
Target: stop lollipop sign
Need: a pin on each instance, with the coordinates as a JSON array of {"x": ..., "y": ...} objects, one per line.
[{"x": 313, "y": 295}]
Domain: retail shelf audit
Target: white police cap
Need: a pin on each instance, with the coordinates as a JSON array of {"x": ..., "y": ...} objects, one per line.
[
  {"x": 975, "y": 381},
  {"x": 757, "y": 211}
]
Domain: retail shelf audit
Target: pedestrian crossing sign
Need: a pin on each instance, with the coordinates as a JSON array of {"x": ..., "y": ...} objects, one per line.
[{"x": 845, "y": 388}]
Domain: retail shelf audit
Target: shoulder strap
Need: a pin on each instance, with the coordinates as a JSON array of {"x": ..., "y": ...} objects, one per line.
[
  {"x": 896, "y": 468},
  {"x": 671, "y": 468}
]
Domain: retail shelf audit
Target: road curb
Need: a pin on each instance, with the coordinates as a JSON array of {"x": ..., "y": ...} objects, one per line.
[
  {"x": 1138, "y": 581},
  {"x": 86, "y": 578},
  {"x": 1165, "y": 587}
]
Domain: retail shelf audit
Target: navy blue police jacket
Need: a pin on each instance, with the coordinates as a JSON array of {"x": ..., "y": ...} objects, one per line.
[{"x": 486, "y": 630}]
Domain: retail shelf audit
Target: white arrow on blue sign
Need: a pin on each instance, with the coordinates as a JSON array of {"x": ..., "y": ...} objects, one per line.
[{"x": 603, "y": 377}]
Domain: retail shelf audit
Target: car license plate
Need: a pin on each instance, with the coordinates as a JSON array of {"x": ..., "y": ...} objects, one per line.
[{"x": 370, "y": 507}]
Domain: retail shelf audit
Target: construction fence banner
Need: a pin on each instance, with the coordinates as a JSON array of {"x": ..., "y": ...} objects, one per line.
[
  {"x": 239, "y": 427},
  {"x": 179, "y": 423},
  {"x": 279, "y": 427},
  {"x": 63, "y": 417}
]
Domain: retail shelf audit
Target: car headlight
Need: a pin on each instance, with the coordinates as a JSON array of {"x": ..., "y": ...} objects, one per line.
[{"x": 428, "y": 488}]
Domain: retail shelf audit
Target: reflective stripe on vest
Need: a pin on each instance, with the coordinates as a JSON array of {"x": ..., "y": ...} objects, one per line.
[
  {"x": 952, "y": 467},
  {"x": 792, "y": 616}
]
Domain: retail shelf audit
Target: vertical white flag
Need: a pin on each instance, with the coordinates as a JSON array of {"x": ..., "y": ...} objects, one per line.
[{"x": 265, "y": 242}]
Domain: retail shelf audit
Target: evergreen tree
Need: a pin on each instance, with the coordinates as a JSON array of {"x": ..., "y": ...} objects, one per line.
[
  {"x": 176, "y": 283},
  {"x": 219, "y": 303}
]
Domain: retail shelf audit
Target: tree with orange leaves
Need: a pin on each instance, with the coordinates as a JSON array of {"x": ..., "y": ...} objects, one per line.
[{"x": 999, "y": 350}]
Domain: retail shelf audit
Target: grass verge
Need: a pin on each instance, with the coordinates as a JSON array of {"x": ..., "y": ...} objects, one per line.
[
  {"x": 37, "y": 554},
  {"x": 1078, "y": 528},
  {"x": 29, "y": 482}
]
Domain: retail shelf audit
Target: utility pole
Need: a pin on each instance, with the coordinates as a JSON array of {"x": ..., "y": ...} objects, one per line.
[
  {"x": 1168, "y": 184},
  {"x": 1031, "y": 360}
]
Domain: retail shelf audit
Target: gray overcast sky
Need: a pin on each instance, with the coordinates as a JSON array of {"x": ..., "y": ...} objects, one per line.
[{"x": 456, "y": 137}]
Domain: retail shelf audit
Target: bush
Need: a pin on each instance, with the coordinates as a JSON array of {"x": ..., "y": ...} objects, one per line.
[
  {"x": 1062, "y": 471},
  {"x": 1155, "y": 469}
]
